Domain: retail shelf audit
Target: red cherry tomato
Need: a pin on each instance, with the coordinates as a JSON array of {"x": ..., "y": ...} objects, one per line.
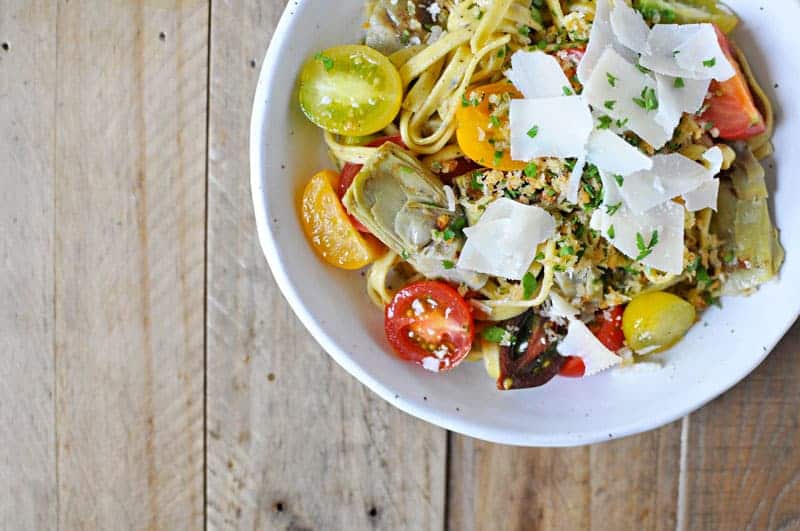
[
  {"x": 607, "y": 327},
  {"x": 430, "y": 324},
  {"x": 731, "y": 108},
  {"x": 573, "y": 367}
]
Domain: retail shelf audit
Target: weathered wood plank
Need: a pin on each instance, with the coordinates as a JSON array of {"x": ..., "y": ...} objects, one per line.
[
  {"x": 627, "y": 484},
  {"x": 293, "y": 441},
  {"x": 743, "y": 456},
  {"x": 27, "y": 379},
  {"x": 130, "y": 216}
]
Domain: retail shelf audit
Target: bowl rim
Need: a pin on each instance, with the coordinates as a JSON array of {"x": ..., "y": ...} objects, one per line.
[{"x": 456, "y": 423}]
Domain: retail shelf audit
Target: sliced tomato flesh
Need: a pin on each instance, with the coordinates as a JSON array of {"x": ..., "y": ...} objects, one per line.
[
  {"x": 573, "y": 367},
  {"x": 430, "y": 324},
  {"x": 607, "y": 327},
  {"x": 731, "y": 108}
]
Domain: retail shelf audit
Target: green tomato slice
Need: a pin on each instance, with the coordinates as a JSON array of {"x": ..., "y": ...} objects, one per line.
[{"x": 350, "y": 90}]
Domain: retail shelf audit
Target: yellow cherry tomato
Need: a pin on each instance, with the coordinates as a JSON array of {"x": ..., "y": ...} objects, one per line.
[
  {"x": 350, "y": 90},
  {"x": 481, "y": 128},
  {"x": 329, "y": 229},
  {"x": 654, "y": 322}
]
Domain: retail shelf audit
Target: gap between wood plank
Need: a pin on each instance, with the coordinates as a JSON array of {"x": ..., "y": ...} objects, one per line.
[
  {"x": 683, "y": 480},
  {"x": 205, "y": 273}
]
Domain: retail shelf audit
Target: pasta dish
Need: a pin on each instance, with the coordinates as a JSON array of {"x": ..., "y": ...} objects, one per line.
[{"x": 549, "y": 187}]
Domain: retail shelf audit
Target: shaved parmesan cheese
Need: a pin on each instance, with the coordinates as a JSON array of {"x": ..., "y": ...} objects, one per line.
[
  {"x": 581, "y": 342},
  {"x": 629, "y": 26},
  {"x": 574, "y": 184},
  {"x": 601, "y": 38},
  {"x": 611, "y": 153},
  {"x": 690, "y": 51},
  {"x": 617, "y": 80},
  {"x": 503, "y": 242},
  {"x": 670, "y": 176},
  {"x": 537, "y": 75},
  {"x": 706, "y": 195},
  {"x": 549, "y": 127},
  {"x": 561, "y": 308},
  {"x": 666, "y": 220},
  {"x": 611, "y": 193},
  {"x": 677, "y": 96}
]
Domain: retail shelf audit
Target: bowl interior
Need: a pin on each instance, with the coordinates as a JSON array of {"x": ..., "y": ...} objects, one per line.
[{"x": 730, "y": 342}]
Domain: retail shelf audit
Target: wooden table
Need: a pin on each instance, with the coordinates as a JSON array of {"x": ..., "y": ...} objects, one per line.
[{"x": 152, "y": 376}]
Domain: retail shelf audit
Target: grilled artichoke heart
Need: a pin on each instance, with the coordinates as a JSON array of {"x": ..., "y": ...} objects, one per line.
[{"x": 400, "y": 201}]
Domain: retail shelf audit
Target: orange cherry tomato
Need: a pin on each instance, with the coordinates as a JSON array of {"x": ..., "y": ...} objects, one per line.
[{"x": 478, "y": 131}]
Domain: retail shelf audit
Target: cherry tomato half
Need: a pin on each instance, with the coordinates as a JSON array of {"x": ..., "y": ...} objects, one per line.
[
  {"x": 350, "y": 90},
  {"x": 430, "y": 324},
  {"x": 607, "y": 327},
  {"x": 731, "y": 108},
  {"x": 573, "y": 368}
]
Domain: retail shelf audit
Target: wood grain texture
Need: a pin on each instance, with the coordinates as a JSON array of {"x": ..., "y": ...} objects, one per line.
[
  {"x": 626, "y": 484},
  {"x": 28, "y": 494},
  {"x": 293, "y": 441},
  {"x": 130, "y": 217},
  {"x": 744, "y": 457}
]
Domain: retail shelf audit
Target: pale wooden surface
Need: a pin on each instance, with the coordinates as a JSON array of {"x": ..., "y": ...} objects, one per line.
[{"x": 110, "y": 312}]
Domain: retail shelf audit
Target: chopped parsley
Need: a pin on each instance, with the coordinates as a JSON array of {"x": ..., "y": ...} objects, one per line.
[
  {"x": 645, "y": 249},
  {"x": 524, "y": 30},
  {"x": 494, "y": 121},
  {"x": 498, "y": 156},
  {"x": 567, "y": 91},
  {"x": 709, "y": 63},
  {"x": 404, "y": 255},
  {"x": 531, "y": 169},
  {"x": 622, "y": 123},
  {"x": 605, "y": 122},
  {"x": 612, "y": 79},
  {"x": 326, "y": 61},
  {"x": 533, "y": 131},
  {"x": 620, "y": 179},
  {"x": 642, "y": 69},
  {"x": 529, "y": 285},
  {"x": 447, "y": 264},
  {"x": 610, "y": 104},
  {"x": 612, "y": 209},
  {"x": 611, "y": 232},
  {"x": 539, "y": 257},
  {"x": 475, "y": 184},
  {"x": 679, "y": 83},
  {"x": 566, "y": 250},
  {"x": 448, "y": 234},
  {"x": 648, "y": 100},
  {"x": 405, "y": 37},
  {"x": 496, "y": 334}
]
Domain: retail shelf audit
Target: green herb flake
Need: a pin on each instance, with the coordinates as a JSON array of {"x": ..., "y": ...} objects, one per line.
[
  {"x": 612, "y": 209},
  {"x": 611, "y": 232},
  {"x": 622, "y": 123},
  {"x": 620, "y": 179},
  {"x": 531, "y": 169},
  {"x": 648, "y": 99},
  {"x": 529, "y": 285},
  {"x": 605, "y": 122},
  {"x": 475, "y": 184},
  {"x": 642, "y": 69},
  {"x": 645, "y": 249},
  {"x": 567, "y": 91},
  {"x": 610, "y": 104},
  {"x": 524, "y": 30},
  {"x": 404, "y": 255},
  {"x": 496, "y": 334},
  {"x": 709, "y": 63},
  {"x": 498, "y": 156},
  {"x": 326, "y": 61},
  {"x": 566, "y": 250},
  {"x": 679, "y": 82},
  {"x": 448, "y": 234},
  {"x": 447, "y": 264},
  {"x": 539, "y": 257},
  {"x": 612, "y": 79},
  {"x": 533, "y": 131}
]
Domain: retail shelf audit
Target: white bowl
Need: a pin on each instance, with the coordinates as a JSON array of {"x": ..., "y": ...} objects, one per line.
[{"x": 286, "y": 149}]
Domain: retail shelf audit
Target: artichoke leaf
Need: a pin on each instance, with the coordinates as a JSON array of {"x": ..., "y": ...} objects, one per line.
[{"x": 400, "y": 202}]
